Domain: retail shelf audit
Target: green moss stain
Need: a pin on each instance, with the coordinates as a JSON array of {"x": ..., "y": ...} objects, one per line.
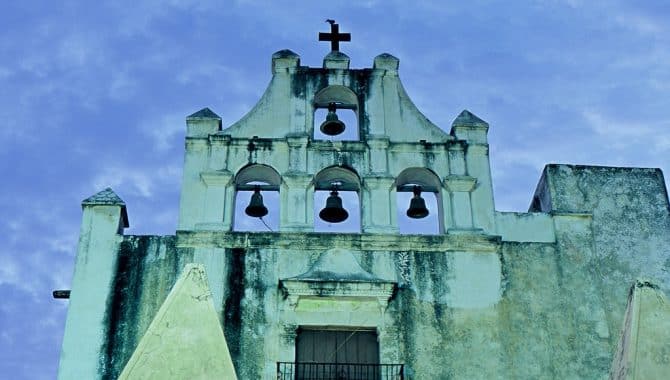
[
  {"x": 406, "y": 325},
  {"x": 366, "y": 261},
  {"x": 298, "y": 83},
  {"x": 244, "y": 311},
  {"x": 362, "y": 86},
  {"x": 253, "y": 317},
  {"x": 123, "y": 306},
  {"x": 143, "y": 279},
  {"x": 235, "y": 264}
]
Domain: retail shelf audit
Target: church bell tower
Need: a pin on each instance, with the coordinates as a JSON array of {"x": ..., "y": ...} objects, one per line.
[{"x": 299, "y": 293}]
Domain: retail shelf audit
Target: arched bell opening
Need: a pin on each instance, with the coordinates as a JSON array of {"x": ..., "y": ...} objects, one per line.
[
  {"x": 418, "y": 202},
  {"x": 337, "y": 201},
  {"x": 256, "y": 199},
  {"x": 336, "y": 114}
]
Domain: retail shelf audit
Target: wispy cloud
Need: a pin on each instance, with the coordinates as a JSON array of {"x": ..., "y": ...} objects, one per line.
[
  {"x": 136, "y": 181},
  {"x": 164, "y": 129},
  {"x": 639, "y": 23},
  {"x": 615, "y": 130}
]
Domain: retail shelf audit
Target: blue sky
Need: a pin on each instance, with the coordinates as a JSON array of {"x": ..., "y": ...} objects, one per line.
[{"x": 94, "y": 94}]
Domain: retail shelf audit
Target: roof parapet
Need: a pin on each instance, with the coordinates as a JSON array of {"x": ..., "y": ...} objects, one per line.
[
  {"x": 202, "y": 123},
  {"x": 386, "y": 61},
  {"x": 107, "y": 197},
  {"x": 336, "y": 60},
  {"x": 284, "y": 60}
]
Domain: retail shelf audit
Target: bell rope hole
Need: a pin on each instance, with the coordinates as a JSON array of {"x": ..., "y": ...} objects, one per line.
[{"x": 347, "y": 116}]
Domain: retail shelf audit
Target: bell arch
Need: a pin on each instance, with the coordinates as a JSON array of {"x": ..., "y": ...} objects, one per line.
[
  {"x": 337, "y": 200},
  {"x": 258, "y": 172},
  {"x": 336, "y": 93},
  {"x": 256, "y": 198},
  {"x": 419, "y": 201},
  {"x": 335, "y": 110}
]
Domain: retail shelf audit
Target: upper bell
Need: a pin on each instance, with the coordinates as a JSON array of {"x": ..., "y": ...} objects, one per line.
[
  {"x": 256, "y": 208},
  {"x": 417, "y": 206},
  {"x": 332, "y": 126},
  {"x": 334, "y": 212}
]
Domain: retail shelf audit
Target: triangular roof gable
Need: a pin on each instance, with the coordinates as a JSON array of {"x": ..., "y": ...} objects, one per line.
[
  {"x": 287, "y": 105},
  {"x": 185, "y": 339}
]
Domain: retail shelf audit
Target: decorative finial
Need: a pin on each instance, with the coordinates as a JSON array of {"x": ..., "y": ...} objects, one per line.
[{"x": 334, "y": 36}]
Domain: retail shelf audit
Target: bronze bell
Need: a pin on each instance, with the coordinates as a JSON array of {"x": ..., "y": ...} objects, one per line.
[
  {"x": 256, "y": 208},
  {"x": 334, "y": 212},
  {"x": 332, "y": 126},
  {"x": 417, "y": 206}
]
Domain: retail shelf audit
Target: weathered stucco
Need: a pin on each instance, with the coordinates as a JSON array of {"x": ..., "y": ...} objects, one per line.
[
  {"x": 148, "y": 266},
  {"x": 185, "y": 339},
  {"x": 494, "y": 295},
  {"x": 643, "y": 351},
  {"x": 551, "y": 320}
]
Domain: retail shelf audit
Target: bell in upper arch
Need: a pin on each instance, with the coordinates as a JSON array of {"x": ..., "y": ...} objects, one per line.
[
  {"x": 256, "y": 208},
  {"x": 332, "y": 126},
  {"x": 334, "y": 212},
  {"x": 417, "y": 206}
]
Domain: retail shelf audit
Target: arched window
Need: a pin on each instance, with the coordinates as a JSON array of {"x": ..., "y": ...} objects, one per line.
[
  {"x": 252, "y": 214},
  {"x": 329, "y": 185},
  {"x": 336, "y": 114},
  {"x": 416, "y": 188}
]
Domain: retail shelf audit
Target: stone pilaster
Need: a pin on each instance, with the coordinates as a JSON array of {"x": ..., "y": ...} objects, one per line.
[
  {"x": 219, "y": 145},
  {"x": 103, "y": 220},
  {"x": 460, "y": 187},
  {"x": 390, "y": 84},
  {"x": 193, "y": 188},
  {"x": 483, "y": 209},
  {"x": 297, "y": 153},
  {"x": 444, "y": 209},
  {"x": 378, "y": 148},
  {"x": 297, "y": 203},
  {"x": 457, "y": 158},
  {"x": 379, "y": 205},
  {"x": 473, "y": 130},
  {"x": 219, "y": 206}
]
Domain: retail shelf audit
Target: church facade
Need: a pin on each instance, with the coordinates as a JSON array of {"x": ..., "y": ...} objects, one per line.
[{"x": 480, "y": 294}]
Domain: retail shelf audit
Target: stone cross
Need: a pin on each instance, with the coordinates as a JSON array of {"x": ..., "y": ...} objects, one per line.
[{"x": 334, "y": 36}]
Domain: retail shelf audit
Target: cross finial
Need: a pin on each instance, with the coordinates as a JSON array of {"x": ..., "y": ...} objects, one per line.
[{"x": 334, "y": 36}]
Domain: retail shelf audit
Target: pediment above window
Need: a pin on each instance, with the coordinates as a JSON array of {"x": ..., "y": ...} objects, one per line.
[{"x": 337, "y": 275}]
